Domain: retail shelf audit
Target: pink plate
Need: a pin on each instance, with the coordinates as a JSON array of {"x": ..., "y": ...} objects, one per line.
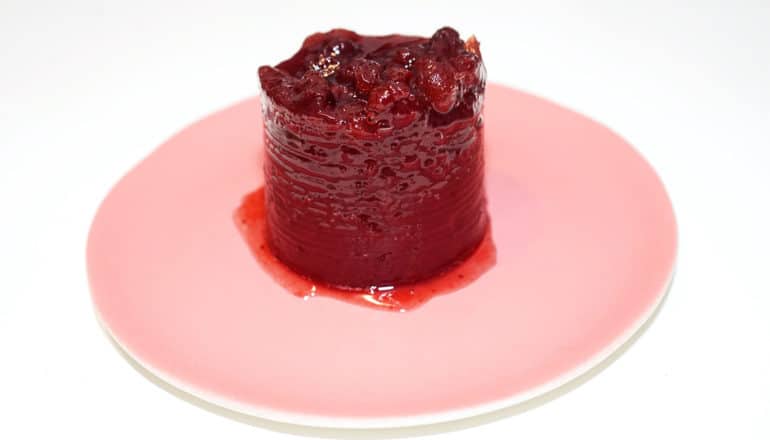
[{"x": 586, "y": 242}]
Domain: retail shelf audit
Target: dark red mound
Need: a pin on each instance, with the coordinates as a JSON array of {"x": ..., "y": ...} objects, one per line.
[{"x": 374, "y": 168}]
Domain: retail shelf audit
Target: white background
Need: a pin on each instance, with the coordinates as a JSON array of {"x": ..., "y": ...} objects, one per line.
[{"x": 88, "y": 88}]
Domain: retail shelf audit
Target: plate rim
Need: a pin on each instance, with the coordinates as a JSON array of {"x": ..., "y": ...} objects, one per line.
[{"x": 320, "y": 421}]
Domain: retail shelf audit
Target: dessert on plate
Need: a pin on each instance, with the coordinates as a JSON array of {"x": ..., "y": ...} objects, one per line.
[{"x": 374, "y": 168}]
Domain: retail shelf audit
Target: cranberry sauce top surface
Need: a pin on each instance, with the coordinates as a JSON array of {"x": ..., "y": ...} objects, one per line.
[
  {"x": 374, "y": 157},
  {"x": 379, "y": 83}
]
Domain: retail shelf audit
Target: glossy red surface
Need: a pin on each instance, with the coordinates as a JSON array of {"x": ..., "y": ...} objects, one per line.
[
  {"x": 374, "y": 162},
  {"x": 250, "y": 219}
]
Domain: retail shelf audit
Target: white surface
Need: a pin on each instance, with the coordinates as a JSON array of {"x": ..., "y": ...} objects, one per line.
[{"x": 88, "y": 88}]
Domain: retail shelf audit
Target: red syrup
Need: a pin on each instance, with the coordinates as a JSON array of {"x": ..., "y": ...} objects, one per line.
[{"x": 250, "y": 218}]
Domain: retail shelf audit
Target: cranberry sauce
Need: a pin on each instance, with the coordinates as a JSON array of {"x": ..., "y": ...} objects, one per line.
[
  {"x": 374, "y": 157},
  {"x": 251, "y": 221}
]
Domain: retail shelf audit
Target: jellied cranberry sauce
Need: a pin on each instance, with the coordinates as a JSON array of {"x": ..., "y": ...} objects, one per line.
[{"x": 374, "y": 157}]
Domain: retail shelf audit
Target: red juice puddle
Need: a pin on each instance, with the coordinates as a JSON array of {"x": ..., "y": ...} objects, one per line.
[{"x": 250, "y": 220}]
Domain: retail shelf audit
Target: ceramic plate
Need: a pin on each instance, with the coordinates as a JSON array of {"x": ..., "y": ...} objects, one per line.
[{"x": 585, "y": 238}]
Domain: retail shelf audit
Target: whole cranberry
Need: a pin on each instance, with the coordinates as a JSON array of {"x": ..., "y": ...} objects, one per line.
[
  {"x": 383, "y": 96},
  {"x": 446, "y": 41},
  {"x": 361, "y": 73},
  {"x": 367, "y": 75},
  {"x": 340, "y": 48},
  {"x": 312, "y": 90},
  {"x": 437, "y": 81}
]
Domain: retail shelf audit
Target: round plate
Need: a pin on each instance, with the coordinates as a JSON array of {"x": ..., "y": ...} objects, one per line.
[{"x": 585, "y": 237}]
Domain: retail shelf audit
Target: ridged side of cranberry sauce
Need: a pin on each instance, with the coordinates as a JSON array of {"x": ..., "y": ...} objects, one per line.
[{"x": 374, "y": 167}]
